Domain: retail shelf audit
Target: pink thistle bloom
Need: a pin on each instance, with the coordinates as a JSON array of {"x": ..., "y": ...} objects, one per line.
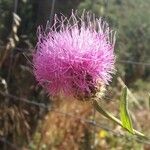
[{"x": 75, "y": 55}]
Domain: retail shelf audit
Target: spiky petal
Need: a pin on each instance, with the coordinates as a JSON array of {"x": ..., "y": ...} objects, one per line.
[{"x": 74, "y": 55}]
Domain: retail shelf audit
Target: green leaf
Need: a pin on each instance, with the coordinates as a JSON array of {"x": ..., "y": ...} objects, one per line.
[
  {"x": 108, "y": 115},
  {"x": 124, "y": 113}
]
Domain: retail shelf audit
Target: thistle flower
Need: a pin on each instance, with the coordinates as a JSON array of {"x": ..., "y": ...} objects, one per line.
[{"x": 75, "y": 56}]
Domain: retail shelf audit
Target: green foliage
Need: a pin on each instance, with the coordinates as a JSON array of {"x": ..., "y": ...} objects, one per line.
[
  {"x": 125, "y": 117},
  {"x": 124, "y": 112},
  {"x": 96, "y": 6}
]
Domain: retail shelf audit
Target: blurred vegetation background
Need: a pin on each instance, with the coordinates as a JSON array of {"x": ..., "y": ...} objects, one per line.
[{"x": 25, "y": 122}]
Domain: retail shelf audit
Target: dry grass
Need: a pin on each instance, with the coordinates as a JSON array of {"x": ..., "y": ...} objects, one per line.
[{"x": 58, "y": 131}]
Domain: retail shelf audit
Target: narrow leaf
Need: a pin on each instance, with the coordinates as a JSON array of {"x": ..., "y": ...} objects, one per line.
[
  {"x": 108, "y": 115},
  {"x": 124, "y": 113}
]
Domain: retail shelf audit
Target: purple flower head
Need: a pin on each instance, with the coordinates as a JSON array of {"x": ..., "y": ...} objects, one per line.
[{"x": 75, "y": 55}]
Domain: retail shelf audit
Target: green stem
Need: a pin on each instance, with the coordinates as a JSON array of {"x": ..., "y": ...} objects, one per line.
[{"x": 114, "y": 119}]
